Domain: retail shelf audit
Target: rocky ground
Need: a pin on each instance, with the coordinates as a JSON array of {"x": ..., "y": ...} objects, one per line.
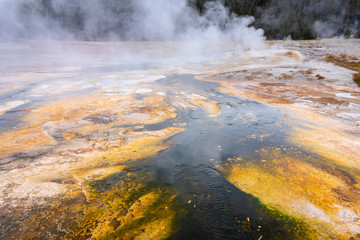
[{"x": 80, "y": 132}]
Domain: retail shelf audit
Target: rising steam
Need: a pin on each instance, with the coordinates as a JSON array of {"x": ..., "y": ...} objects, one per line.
[{"x": 137, "y": 20}]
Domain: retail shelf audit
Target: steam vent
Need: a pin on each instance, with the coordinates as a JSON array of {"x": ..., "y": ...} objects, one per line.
[{"x": 158, "y": 119}]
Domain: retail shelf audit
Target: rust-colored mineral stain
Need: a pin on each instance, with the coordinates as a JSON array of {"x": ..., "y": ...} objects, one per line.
[
  {"x": 23, "y": 139},
  {"x": 346, "y": 61}
]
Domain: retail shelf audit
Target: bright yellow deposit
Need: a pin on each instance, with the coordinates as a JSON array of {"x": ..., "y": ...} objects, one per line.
[{"x": 323, "y": 198}]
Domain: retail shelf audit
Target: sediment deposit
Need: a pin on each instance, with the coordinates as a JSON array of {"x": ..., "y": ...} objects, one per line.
[{"x": 261, "y": 144}]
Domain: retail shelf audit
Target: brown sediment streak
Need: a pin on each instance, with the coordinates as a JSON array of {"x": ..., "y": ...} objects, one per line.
[{"x": 346, "y": 61}]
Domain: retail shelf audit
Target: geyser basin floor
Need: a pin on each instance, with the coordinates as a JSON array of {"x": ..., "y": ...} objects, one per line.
[{"x": 266, "y": 147}]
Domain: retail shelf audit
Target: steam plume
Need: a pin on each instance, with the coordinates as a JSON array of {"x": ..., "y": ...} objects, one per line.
[{"x": 151, "y": 20}]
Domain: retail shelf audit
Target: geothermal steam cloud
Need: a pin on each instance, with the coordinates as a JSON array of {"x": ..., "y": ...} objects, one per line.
[{"x": 132, "y": 20}]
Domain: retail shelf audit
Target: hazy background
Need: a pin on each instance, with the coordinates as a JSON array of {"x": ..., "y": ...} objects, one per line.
[{"x": 137, "y": 20}]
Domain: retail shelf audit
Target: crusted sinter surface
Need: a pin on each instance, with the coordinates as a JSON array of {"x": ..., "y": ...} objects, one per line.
[{"x": 103, "y": 144}]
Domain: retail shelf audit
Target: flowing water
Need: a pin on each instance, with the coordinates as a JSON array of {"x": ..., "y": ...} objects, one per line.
[
  {"x": 97, "y": 149},
  {"x": 216, "y": 207}
]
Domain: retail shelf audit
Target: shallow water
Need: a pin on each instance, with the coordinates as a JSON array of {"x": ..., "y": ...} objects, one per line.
[
  {"x": 101, "y": 149},
  {"x": 192, "y": 166}
]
